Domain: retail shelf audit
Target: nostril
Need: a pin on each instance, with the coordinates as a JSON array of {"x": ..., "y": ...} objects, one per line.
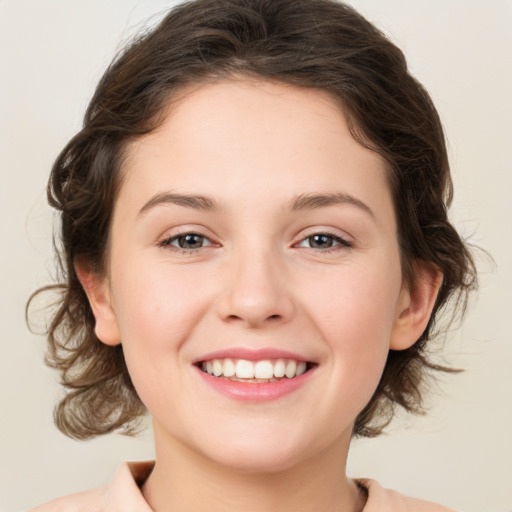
[{"x": 271, "y": 317}]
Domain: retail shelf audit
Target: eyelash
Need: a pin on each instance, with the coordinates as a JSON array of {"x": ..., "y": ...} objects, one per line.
[
  {"x": 168, "y": 243},
  {"x": 341, "y": 243}
]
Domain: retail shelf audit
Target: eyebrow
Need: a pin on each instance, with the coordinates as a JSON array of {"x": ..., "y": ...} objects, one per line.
[
  {"x": 197, "y": 202},
  {"x": 312, "y": 201},
  {"x": 299, "y": 203}
]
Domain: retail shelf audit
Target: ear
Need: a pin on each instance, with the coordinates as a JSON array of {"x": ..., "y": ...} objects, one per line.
[
  {"x": 415, "y": 306},
  {"x": 97, "y": 290}
]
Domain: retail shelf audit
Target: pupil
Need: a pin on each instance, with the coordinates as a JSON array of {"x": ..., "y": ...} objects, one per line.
[
  {"x": 321, "y": 241},
  {"x": 190, "y": 241}
]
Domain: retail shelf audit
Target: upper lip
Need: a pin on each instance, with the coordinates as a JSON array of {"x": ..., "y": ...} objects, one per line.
[{"x": 251, "y": 355}]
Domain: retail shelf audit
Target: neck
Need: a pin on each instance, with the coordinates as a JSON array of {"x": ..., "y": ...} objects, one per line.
[{"x": 184, "y": 480}]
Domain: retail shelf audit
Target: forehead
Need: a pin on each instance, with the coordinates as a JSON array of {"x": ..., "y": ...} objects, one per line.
[{"x": 253, "y": 138}]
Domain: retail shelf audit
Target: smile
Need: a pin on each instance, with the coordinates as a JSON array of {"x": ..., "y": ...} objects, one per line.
[
  {"x": 255, "y": 376},
  {"x": 262, "y": 371}
]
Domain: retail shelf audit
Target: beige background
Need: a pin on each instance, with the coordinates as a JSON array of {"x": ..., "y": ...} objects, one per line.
[{"x": 52, "y": 53}]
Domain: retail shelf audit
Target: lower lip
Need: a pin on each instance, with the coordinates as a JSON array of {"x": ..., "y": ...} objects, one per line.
[{"x": 255, "y": 391}]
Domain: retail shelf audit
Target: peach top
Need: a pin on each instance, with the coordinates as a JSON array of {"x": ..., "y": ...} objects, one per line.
[{"x": 123, "y": 494}]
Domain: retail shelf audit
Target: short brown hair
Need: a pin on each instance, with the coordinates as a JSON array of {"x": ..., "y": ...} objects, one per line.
[{"x": 319, "y": 44}]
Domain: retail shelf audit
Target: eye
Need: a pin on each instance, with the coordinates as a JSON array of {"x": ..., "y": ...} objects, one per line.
[
  {"x": 325, "y": 242},
  {"x": 187, "y": 242}
]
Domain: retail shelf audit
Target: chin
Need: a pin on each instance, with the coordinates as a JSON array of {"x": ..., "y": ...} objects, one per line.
[
  {"x": 256, "y": 461},
  {"x": 260, "y": 452}
]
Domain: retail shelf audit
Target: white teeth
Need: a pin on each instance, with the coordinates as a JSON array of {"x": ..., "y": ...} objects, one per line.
[
  {"x": 218, "y": 370},
  {"x": 229, "y": 368},
  {"x": 301, "y": 368},
  {"x": 263, "y": 370},
  {"x": 279, "y": 368},
  {"x": 244, "y": 369},
  {"x": 291, "y": 369}
]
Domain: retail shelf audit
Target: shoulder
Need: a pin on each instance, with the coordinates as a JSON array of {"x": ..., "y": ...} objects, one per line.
[
  {"x": 88, "y": 501},
  {"x": 387, "y": 500},
  {"x": 121, "y": 494}
]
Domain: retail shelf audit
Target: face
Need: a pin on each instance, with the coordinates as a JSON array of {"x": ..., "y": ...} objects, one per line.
[{"x": 253, "y": 236}]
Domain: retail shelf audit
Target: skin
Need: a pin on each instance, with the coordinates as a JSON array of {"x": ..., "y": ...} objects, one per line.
[{"x": 257, "y": 281}]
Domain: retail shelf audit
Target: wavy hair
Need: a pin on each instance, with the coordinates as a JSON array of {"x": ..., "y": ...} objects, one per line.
[{"x": 318, "y": 44}]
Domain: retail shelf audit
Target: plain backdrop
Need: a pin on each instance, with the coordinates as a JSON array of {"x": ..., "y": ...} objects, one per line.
[{"x": 52, "y": 52}]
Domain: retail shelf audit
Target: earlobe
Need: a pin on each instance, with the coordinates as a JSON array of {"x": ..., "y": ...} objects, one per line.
[
  {"x": 415, "y": 307},
  {"x": 98, "y": 293}
]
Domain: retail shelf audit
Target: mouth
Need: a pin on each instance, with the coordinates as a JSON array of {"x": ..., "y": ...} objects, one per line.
[{"x": 257, "y": 372}]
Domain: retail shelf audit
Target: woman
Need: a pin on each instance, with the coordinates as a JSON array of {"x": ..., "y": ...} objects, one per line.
[{"x": 256, "y": 248}]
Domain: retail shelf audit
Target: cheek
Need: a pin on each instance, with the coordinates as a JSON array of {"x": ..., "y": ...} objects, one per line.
[
  {"x": 157, "y": 309},
  {"x": 356, "y": 303},
  {"x": 156, "y": 313},
  {"x": 355, "y": 312}
]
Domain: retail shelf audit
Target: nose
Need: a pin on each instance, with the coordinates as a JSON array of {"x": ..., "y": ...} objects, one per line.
[{"x": 257, "y": 292}]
